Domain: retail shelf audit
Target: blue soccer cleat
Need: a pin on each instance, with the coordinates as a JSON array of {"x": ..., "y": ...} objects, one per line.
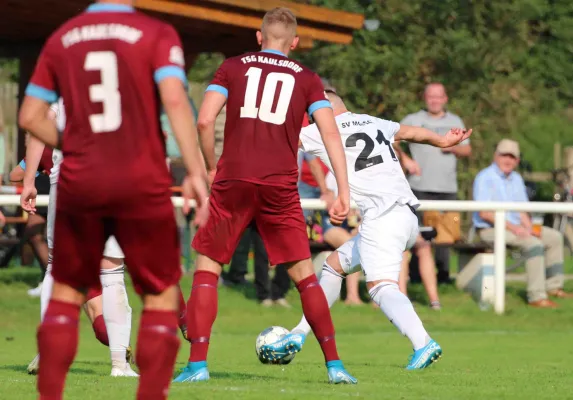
[
  {"x": 193, "y": 372},
  {"x": 338, "y": 374},
  {"x": 425, "y": 356},
  {"x": 290, "y": 344}
]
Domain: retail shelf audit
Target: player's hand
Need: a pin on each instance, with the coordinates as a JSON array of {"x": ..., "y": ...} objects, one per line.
[
  {"x": 2, "y": 219},
  {"x": 195, "y": 187},
  {"x": 28, "y": 199},
  {"x": 455, "y": 136},
  {"x": 412, "y": 167},
  {"x": 211, "y": 176},
  {"x": 339, "y": 210}
]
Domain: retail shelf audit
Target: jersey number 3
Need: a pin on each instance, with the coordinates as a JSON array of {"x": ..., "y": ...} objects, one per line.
[
  {"x": 363, "y": 160},
  {"x": 264, "y": 111},
  {"x": 105, "y": 92}
]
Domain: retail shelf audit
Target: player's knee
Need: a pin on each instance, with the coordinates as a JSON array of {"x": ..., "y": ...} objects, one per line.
[
  {"x": 333, "y": 262},
  {"x": 328, "y": 269},
  {"x": 377, "y": 289},
  {"x": 300, "y": 270},
  {"x": 111, "y": 262},
  {"x": 205, "y": 263},
  {"x": 67, "y": 294},
  {"x": 168, "y": 300}
]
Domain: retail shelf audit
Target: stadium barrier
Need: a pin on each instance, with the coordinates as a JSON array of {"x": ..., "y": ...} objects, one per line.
[{"x": 499, "y": 208}]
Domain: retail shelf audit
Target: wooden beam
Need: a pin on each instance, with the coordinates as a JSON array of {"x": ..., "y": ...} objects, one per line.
[
  {"x": 235, "y": 19},
  {"x": 305, "y": 43},
  {"x": 302, "y": 11}
]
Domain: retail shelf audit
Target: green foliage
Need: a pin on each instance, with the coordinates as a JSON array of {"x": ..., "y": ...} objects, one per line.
[
  {"x": 506, "y": 65},
  {"x": 8, "y": 70}
]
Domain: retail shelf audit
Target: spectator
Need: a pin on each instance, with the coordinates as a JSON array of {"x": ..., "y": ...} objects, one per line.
[
  {"x": 268, "y": 293},
  {"x": 433, "y": 171},
  {"x": 543, "y": 247}
]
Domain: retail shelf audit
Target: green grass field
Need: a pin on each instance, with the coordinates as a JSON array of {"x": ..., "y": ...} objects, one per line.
[{"x": 524, "y": 354}]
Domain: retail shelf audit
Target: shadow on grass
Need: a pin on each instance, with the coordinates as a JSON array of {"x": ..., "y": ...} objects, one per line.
[
  {"x": 22, "y": 369},
  {"x": 27, "y": 275}
]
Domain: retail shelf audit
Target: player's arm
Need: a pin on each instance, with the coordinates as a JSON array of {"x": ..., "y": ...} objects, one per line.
[
  {"x": 17, "y": 173},
  {"x": 213, "y": 103},
  {"x": 39, "y": 94},
  {"x": 34, "y": 118},
  {"x": 34, "y": 152},
  {"x": 418, "y": 134},
  {"x": 330, "y": 135}
]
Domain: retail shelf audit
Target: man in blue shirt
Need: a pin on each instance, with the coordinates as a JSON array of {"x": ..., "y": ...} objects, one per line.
[{"x": 543, "y": 248}]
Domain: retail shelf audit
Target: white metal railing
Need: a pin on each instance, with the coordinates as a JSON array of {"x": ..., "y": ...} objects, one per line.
[{"x": 499, "y": 208}]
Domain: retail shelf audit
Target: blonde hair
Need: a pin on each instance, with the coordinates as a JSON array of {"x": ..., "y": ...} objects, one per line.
[{"x": 279, "y": 23}]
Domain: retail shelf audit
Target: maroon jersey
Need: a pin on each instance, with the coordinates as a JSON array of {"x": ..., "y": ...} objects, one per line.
[
  {"x": 105, "y": 63},
  {"x": 267, "y": 97}
]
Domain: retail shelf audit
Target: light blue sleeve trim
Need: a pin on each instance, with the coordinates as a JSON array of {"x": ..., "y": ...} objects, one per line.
[
  {"x": 317, "y": 105},
  {"x": 49, "y": 96},
  {"x": 218, "y": 88},
  {"x": 22, "y": 164},
  {"x": 170, "y": 71}
]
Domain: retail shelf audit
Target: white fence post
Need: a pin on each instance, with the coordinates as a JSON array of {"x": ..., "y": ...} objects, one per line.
[{"x": 499, "y": 262}]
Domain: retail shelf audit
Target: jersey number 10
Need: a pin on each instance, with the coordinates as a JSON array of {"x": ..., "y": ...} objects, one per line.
[
  {"x": 264, "y": 111},
  {"x": 106, "y": 92}
]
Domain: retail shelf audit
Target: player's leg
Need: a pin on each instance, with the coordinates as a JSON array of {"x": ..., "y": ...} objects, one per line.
[
  {"x": 340, "y": 264},
  {"x": 48, "y": 281},
  {"x": 94, "y": 311},
  {"x": 231, "y": 210},
  {"x": 282, "y": 227},
  {"x": 80, "y": 239},
  {"x": 152, "y": 257},
  {"x": 116, "y": 309},
  {"x": 381, "y": 246}
]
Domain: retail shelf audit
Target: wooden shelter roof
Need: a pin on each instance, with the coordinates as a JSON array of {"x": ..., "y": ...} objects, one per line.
[{"x": 225, "y": 26}]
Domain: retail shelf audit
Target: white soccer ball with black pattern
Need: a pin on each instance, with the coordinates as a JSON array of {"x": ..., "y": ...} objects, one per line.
[{"x": 271, "y": 335}]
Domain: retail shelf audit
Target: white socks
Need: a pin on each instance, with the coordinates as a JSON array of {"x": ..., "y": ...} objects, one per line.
[
  {"x": 399, "y": 310},
  {"x": 330, "y": 282},
  {"x": 116, "y": 314},
  {"x": 46, "y": 291}
]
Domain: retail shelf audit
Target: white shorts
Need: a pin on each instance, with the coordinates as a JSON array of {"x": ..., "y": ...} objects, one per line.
[
  {"x": 380, "y": 243},
  {"x": 111, "y": 249}
]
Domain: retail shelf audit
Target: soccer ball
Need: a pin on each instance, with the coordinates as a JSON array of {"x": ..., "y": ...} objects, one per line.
[{"x": 271, "y": 335}]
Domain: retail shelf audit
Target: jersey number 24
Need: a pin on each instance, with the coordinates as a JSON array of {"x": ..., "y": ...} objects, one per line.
[{"x": 264, "y": 111}]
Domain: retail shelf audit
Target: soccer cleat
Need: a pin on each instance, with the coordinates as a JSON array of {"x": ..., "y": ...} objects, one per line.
[
  {"x": 35, "y": 292},
  {"x": 338, "y": 374},
  {"x": 193, "y": 372},
  {"x": 289, "y": 344},
  {"x": 425, "y": 356},
  {"x": 34, "y": 365},
  {"x": 124, "y": 372}
]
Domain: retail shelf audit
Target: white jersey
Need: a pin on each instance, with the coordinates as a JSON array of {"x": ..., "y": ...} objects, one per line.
[
  {"x": 57, "y": 156},
  {"x": 375, "y": 176}
]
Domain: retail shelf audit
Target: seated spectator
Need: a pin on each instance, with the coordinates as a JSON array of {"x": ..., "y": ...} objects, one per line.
[{"x": 544, "y": 249}]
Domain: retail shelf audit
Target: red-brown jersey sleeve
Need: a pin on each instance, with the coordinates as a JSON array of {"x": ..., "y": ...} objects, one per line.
[
  {"x": 43, "y": 84},
  {"x": 316, "y": 97},
  {"x": 168, "y": 58},
  {"x": 220, "y": 82}
]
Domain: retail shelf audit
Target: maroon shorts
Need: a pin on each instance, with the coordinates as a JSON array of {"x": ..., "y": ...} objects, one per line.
[
  {"x": 276, "y": 211},
  {"x": 150, "y": 245}
]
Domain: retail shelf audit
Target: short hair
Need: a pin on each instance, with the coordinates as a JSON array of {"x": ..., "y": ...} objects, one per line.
[{"x": 282, "y": 16}]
